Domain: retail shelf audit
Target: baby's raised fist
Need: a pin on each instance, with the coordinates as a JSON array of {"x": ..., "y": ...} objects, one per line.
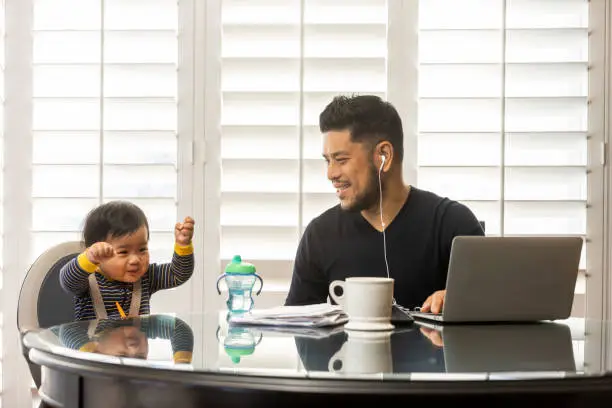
[
  {"x": 99, "y": 252},
  {"x": 183, "y": 231}
]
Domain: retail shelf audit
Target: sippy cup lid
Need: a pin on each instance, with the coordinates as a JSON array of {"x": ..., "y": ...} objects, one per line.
[{"x": 236, "y": 266}]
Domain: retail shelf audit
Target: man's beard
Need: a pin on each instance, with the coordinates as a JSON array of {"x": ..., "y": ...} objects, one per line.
[{"x": 369, "y": 197}]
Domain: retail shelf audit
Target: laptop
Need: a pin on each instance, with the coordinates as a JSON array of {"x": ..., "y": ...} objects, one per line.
[
  {"x": 512, "y": 347},
  {"x": 509, "y": 279}
]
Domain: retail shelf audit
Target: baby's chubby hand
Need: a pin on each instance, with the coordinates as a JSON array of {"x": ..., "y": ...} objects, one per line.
[
  {"x": 183, "y": 231},
  {"x": 99, "y": 252}
]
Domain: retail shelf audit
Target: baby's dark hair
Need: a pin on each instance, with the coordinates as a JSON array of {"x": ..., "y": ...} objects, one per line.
[{"x": 113, "y": 219}]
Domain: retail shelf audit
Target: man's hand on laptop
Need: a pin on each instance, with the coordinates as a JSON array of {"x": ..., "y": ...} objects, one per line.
[{"x": 434, "y": 303}]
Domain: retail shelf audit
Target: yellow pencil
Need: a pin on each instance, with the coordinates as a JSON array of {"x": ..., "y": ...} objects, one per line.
[{"x": 121, "y": 312}]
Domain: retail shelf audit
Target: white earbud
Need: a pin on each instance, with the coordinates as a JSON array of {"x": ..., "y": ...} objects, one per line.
[{"x": 383, "y": 158}]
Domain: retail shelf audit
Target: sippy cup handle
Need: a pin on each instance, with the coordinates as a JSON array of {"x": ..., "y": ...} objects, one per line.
[
  {"x": 217, "y": 334},
  {"x": 219, "y": 280},
  {"x": 261, "y": 283}
]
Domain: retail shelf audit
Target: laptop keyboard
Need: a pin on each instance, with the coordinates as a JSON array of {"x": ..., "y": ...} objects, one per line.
[{"x": 426, "y": 315}]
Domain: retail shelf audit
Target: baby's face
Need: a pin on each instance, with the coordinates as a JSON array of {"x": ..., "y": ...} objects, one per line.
[
  {"x": 131, "y": 259},
  {"x": 124, "y": 342}
]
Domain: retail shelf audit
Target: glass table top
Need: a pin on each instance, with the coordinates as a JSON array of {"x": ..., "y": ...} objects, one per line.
[{"x": 207, "y": 343}]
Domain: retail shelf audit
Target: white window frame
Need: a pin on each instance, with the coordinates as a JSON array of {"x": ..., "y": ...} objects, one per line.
[
  {"x": 402, "y": 76},
  {"x": 17, "y": 206},
  {"x": 208, "y": 104},
  {"x": 598, "y": 354}
]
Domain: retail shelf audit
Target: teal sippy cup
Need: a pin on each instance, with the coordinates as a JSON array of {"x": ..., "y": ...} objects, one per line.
[{"x": 240, "y": 279}]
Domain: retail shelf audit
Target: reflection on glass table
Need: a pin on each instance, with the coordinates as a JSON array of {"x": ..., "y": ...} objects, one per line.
[
  {"x": 239, "y": 342},
  {"x": 535, "y": 347},
  {"x": 409, "y": 352},
  {"x": 193, "y": 359},
  {"x": 128, "y": 338}
]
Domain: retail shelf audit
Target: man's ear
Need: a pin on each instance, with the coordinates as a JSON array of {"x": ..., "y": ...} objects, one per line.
[{"x": 384, "y": 155}]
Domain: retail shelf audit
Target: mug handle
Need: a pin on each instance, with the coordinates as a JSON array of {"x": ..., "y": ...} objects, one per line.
[
  {"x": 338, "y": 299},
  {"x": 338, "y": 356}
]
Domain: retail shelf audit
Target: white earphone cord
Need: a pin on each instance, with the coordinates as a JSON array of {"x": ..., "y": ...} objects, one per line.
[{"x": 382, "y": 223}]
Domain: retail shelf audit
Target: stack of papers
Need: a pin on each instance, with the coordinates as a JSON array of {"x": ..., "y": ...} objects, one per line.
[
  {"x": 304, "y": 332},
  {"x": 319, "y": 315}
]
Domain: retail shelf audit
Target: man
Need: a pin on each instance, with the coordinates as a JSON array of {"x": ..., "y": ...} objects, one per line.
[{"x": 363, "y": 148}]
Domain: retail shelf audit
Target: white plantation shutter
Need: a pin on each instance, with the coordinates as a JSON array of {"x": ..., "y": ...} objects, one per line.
[
  {"x": 104, "y": 115},
  {"x": 503, "y": 111},
  {"x": 2, "y": 34},
  {"x": 282, "y": 62}
]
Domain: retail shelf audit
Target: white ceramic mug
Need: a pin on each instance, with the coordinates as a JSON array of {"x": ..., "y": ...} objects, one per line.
[
  {"x": 368, "y": 302},
  {"x": 363, "y": 353}
]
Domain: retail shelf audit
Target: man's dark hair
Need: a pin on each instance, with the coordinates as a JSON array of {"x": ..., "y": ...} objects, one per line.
[
  {"x": 113, "y": 219},
  {"x": 369, "y": 119}
]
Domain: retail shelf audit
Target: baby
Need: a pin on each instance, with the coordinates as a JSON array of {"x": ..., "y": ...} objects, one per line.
[{"x": 113, "y": 275}]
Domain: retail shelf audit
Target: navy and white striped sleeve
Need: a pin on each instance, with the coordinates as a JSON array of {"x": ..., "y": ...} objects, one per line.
[
  {"x": 75, "y": 274},
  {"x": 175, "y": 273}
]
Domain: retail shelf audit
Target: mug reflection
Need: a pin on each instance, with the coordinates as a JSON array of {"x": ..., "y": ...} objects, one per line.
[{"x": 350, "y": 352}]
